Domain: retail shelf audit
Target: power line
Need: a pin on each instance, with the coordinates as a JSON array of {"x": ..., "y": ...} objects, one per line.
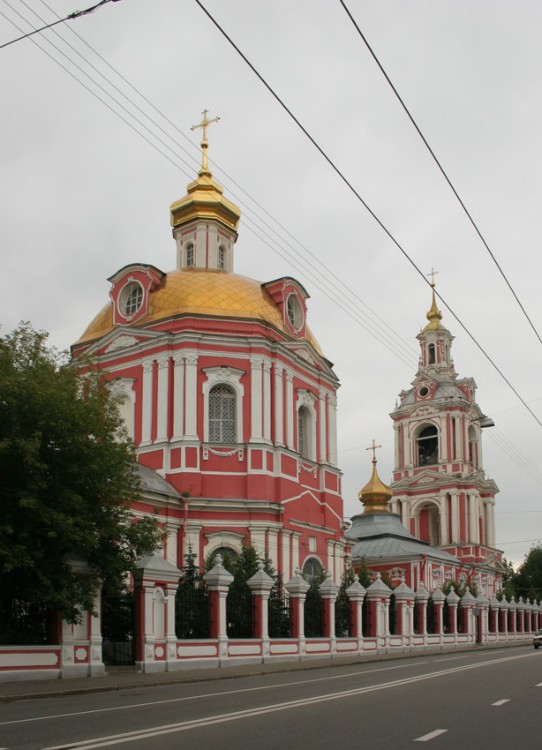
[
  {"x": 365, "y": 205},
  {"x": 70, "y": 17},
  {"x": 441, "y": 168},
  {"x": 402, "y": 350}
]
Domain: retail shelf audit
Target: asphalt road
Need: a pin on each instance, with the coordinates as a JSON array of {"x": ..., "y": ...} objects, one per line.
[{"x": 489, "y": 699}]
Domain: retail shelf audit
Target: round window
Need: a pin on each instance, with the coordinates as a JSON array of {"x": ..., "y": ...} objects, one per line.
[
  {"x": 131, "y": 299},
  {"x": 294, "y": 312},
  {"x": 424, "y": 391}
]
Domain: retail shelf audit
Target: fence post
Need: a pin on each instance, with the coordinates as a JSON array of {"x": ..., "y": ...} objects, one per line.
[
  {"x": 218, "y": 581},
  {"x": 439, "y": 598},
  {"x": 482, "y": 606},
  {"x": 422, "y": 597},
  {"x": 297, "y": 588},
  {"x": 260, "y": 585},
  {"x": 494, "y": 625},
  {"x": 356, "y": 594},
  {"x": 155, "y": 584},
  {"x": 504, "y": 606},
  {"x": 329, "y": 590},
  {"x": 378, "y": 597},
  {"x": 452, "y": 600},
  {"x": 521, "y": 616},
  {"x": 404, "y": 597},
  {"x": 513, "y": 614},
  {"x": 467, "y": 603},
  {"x": 81, "y": 642}
]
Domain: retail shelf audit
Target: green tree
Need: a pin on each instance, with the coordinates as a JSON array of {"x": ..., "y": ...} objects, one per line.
[
  {"x": 68, "y": 478},
  {"x": 527, "y": 582},
  {"x": 191, "y": 602},
  {"x": 342, "y": 604}
]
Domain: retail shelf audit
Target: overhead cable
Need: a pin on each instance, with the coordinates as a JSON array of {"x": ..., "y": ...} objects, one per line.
[
  {"x": 366, "y": 206},
  {"x": 441, "y": 168},
  {"x": 70, "y": 17}
]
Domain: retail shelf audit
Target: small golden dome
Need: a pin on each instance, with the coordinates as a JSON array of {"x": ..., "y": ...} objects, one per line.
[
  {"x": 375, "y": 495},
  {"x": 434, "y": 316},
  {"x": 203, "y": 293}
]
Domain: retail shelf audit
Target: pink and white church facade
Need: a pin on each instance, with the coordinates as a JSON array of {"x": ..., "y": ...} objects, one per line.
[
  {"x": 227, "y": 395},
  {"x": 440, "y": 489}
]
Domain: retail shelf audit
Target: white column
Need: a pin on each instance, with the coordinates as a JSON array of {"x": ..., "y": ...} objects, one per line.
[
  {"x": 455, "y": 516},
  {"x": 322, "y": 416},
  {"x": 473, "y": 519},
  {"x": 330, "y": 563},
  {"x": 171, "y": 545},
  {"x": 191, "y": 541},
  {"x": 256, "y": 390},
  {"x": 332, "y": 429},
  {"x": 443, "y": 442},
  {"x": 178, "y": 396},
  {"x": 491, "y": 513},
  {"x": 339, "y": 563},
  {"x": 444, "y": 532},
  {"x": 191, "y": 394},
  {"x": 279, "y": 407},
  {"x": 397, "y": 445},
  {"x": 290, "y": 410},
  {"x": 272, "y": 547},
  {"x": 295, "y": 549},
  {"x": 162, "y": 405},
  {"x": 267, "y": 400},
  {"x": 146, "y": 405},
  {"x": 257, "y": 538},
  {"x": 287, "y": 568}
]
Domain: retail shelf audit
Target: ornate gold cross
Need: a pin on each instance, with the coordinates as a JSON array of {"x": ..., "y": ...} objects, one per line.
[
  {"x": 204, "y": 144},
  {"x": 373, "y": 448},
  {"x": 432, "y": 273}
]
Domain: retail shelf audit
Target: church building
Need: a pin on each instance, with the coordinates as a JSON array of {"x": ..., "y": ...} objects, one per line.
[
  {"x": 440, "y": 494},
  {"x": 228, "y": 398}
]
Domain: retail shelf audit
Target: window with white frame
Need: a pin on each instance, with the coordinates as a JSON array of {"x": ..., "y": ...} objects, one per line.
[
  {"x": 222, "y": 414},
  {"x": 304, "y": 432},
  {"x": 221, "y": 259},
  {"x": 190, "y": 257}
]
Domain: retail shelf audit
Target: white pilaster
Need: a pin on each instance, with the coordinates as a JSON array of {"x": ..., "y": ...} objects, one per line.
[
  {"x": 272, "y": 547},
  {"x": 162, "y": 405},
  {"x": 191, "y": 394},
  {"x": 267, "y": 400},
  {"x": 146, "y": 405},
  {"x": 455, "y": 516},
  {"x": 178, "y": 397},
  {"x": 279, "y": 407},
  {"x": 290, "y": 410},
  {"x": 444, "y": 531},
  {"x": 332, "y": 429},
  {"x": 287, "y": 567},
  {"x": 296, "y": 536},
  {"x": 474, "y": 528},
  {"x": 256, "y": 391},
  {"x": 322, "y": 416}
]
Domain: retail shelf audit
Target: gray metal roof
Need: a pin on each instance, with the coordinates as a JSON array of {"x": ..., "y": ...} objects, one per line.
[
  {"x": 151, "y": 481},
  {"x": 383, "y": 536}
]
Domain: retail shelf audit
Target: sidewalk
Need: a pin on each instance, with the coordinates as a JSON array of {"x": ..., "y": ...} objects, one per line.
[{"x": 127, "y": 678}]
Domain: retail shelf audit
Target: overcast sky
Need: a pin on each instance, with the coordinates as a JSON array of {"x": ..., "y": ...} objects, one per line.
[{"x": 83, "y": 194}]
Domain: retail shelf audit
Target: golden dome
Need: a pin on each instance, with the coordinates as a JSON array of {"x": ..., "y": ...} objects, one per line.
[
  {"x": 200, "y": 292},
  {"x": 375, "y": 494},
  {"x": 434, "y": 316}
]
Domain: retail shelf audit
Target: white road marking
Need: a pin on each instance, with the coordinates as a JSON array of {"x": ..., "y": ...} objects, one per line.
[
  {"x": 501, "y": 702},
  {"x": 117, "y": 739},
  {"x": 216, "y": 694},
  {"x": 538, "y": 684},
  {"x": 431, "y": 735},
  {"x": 452, "y": 658}
]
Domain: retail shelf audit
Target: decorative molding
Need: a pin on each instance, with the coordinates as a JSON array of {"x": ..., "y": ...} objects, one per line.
[
  {"x": 223, "y": 453},
  {"x": 121, "y": 342},
  {"x": 308, "y": 468}
]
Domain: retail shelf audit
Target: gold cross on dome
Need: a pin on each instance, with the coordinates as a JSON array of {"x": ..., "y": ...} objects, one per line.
[
  {"x": 204, "y": 123},
  {"x": 204, "y": 144},
  {"x": 373, "y": 448},
  {"x": 432, "y": 273}
]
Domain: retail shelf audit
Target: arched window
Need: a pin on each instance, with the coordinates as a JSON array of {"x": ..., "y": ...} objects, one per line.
[
  {"x": 303, "y": 432},
  {"x": 427, "y": 444},
  {"x": 222, "y": 414},
  {"x": 229, "y": 558},
  {"x": 190, "y": 255},
  {"x": 221, "y": 259},
  {"x": 432, "y": 354},
  {"x": 473, "y": 446},
  {"x": 429, "y": 524},
  {"x": 312, "y": 570}
]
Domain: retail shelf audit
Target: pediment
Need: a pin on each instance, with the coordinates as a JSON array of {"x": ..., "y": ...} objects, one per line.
[{"x": 120, "y": 339}]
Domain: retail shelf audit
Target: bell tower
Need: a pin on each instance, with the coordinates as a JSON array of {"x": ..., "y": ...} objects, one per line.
[{"x": 440, "y": 488}]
